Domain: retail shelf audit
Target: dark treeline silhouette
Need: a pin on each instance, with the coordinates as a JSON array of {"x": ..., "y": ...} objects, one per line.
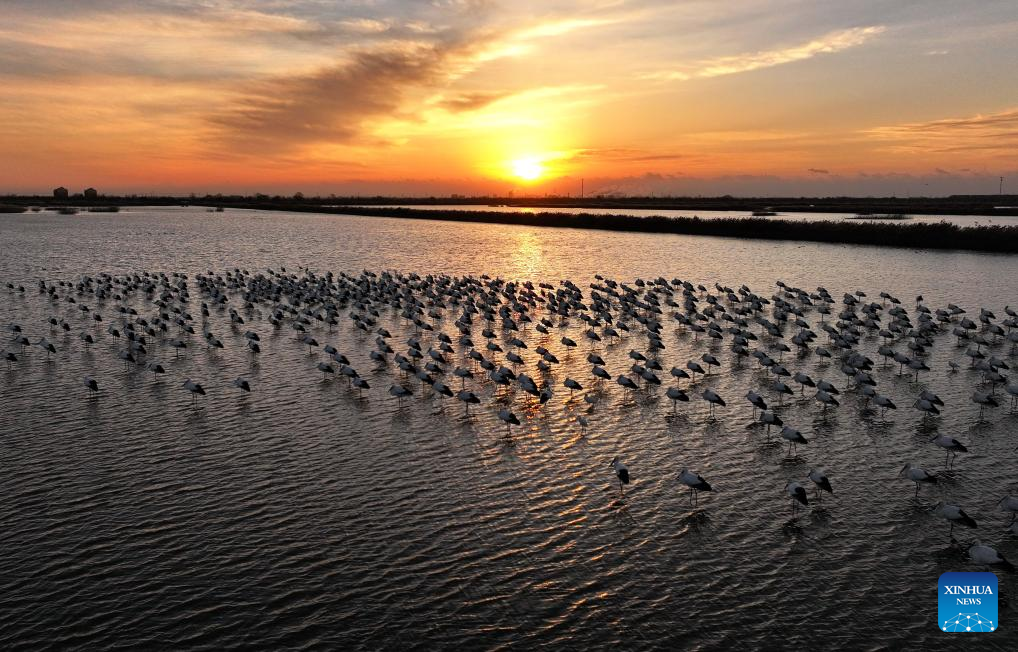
[
  {"x": 991, "y": 205},
  {"x": 920, "y": 235}
]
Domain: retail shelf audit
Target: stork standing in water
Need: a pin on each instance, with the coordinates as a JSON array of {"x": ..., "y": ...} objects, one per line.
[
  {"x": 794, "y": 438},
  {"x": 927, "y": 407},
  {"x": 696, "y": 484},
  {"x": 710, "y": 361},
  {"x": 627, "y": 384},
  {"x": 128, "y": 358},
  {"x": 804, "y": 381},
  {"x": 509, "y": 419},
  {"x": 771, "y": 419},
  {"x": 1012, "y": 390},
  {"x": 462, "y": 374},
  {"x": 822, "y": 483},
  {"x": 951, "y": 445},
  {"x": 797, "y": 493},
  {"x": 326, "y": 369},
  {"x": 756, "y": 400},
  {"x": 467, "y": 398},
  {"x": 196, "y": 391},
  {"x": 400, "y": 393},
  {"x": 1009, "y": 504},
  {"x": 572, "y": 385},
  {"x": 676, "y": 395},
  {"x": 987, "y": 556},
  {"x": 713, "y": 399},
  {"x": 622, "y": 471},
  {"x": 955, "y": 514},
  {"x": 983, "y": 400},
  {"x": 91, "y": 385},
  {"x": 46, "y": 346},
  {"x": 584, "y": 422},
  {"x": 918, "y": 475},
  {"x": 884, "y": 404},
  {"x": 825, "y": 397}
]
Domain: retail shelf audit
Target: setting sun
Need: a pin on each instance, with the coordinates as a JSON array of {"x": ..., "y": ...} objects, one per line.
[{"x": 528, "y": 169}]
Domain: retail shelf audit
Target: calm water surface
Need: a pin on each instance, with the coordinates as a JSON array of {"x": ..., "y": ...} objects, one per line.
[{"x": 301, "y": 516}]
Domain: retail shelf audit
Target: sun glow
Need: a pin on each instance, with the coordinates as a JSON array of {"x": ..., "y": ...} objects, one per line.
[{"x": 528, "y": 169}]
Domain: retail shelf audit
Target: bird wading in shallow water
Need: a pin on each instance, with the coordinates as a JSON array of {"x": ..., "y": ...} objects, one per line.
[
  {"x": 621, "y": 471},
  {"x": 695, "y": 482}
]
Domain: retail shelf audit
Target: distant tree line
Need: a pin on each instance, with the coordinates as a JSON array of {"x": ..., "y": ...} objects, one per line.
[
  {"x": 991, "y": 205},
  {"x": 917, "y": 235}
]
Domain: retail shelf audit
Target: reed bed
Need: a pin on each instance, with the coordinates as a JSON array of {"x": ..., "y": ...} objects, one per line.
[{"x": 916, "y": 235}]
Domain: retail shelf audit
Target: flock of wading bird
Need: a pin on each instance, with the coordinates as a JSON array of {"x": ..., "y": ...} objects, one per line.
[{"x": 488, "y": 311}]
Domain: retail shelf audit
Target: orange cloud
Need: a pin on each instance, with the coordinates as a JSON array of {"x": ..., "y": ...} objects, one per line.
[
  {"x": 730, "y": 65},
  {"x": 994, "y": 134}
]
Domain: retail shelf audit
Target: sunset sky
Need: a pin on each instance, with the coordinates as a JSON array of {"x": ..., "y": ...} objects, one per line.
[{"x": 762, "y": 97}]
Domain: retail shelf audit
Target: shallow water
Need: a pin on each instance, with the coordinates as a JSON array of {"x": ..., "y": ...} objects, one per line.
[{"x": 303, "y": 516}]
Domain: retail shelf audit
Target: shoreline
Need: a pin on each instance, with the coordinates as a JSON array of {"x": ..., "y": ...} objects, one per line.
[{"x": 982, "y": 205}]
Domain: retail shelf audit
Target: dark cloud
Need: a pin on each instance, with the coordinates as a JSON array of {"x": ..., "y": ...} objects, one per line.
[
  {"x": 332, "y": 104},
  {"x": 818, "y": 171},
  {"x": 630, "y": 154},
  {"x": 471, "y": 101},
  {"x": 250, "y": 27},
  {"x": 658, "y": 157}
]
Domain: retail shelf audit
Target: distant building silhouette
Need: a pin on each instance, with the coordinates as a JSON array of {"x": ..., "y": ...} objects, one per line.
[
  {"x": 91, "y": 193},
  {"x": 60, "y": 193}
]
